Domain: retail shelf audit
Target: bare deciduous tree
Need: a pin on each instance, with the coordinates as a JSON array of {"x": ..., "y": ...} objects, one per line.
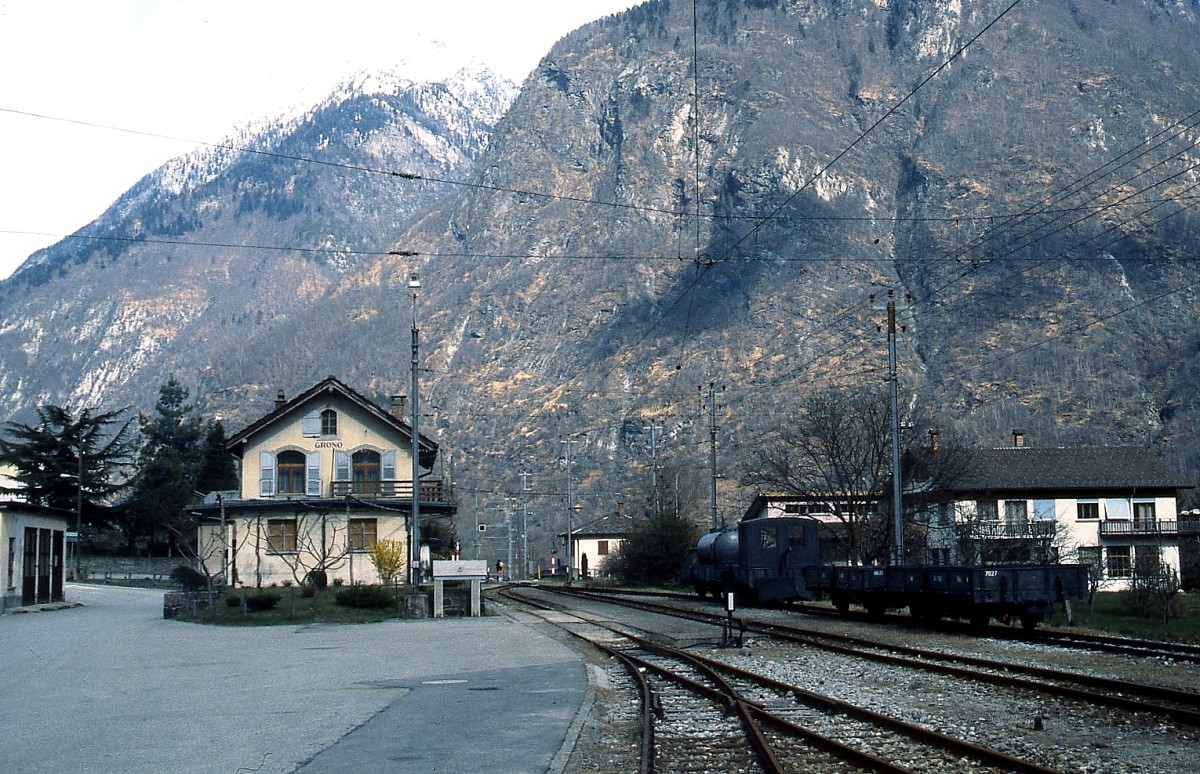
[
  {"x": 834, "y": 453},
  {"x": 321, "y": 546}
]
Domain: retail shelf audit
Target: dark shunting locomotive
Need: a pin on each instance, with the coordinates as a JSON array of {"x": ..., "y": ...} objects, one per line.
[{"x": 778, "y": 560}]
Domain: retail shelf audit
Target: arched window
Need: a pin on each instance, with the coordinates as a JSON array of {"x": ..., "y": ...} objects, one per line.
[
  {"x": 365, "y": 470},
  {"x": 289, "y": 466},
  {"x": 328, "y": 422}
]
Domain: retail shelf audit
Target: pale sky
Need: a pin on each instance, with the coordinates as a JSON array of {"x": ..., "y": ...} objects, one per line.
[{"x": 196, "y": 69}]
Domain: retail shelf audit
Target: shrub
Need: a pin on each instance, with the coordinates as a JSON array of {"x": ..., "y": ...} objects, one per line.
[
  {"x": 233, "y": 600},
  {"x": 257, "y": 603},
  {"x": 388, "y": 557},
  {"x": 189, "y": 579},
  {"x": 653, "y": 552},
  {"x": 365, "y": 596}
]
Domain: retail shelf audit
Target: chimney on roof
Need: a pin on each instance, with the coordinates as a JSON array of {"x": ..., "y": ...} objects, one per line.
[
  {"x": 621, "y": 509},
  {"x": 935, "y": 442},
  {"x": 397, "y": 409},
  {"x": 279, "y": 400},
  {"x": 1018, "y": 439}
]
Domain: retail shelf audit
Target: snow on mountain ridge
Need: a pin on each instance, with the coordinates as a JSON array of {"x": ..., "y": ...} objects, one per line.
[{"x": 475, "y": 85}]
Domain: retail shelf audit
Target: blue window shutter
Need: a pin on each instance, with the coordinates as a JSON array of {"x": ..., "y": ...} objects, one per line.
[
  {"x": 310, "y": 425},
  {"x": 389, "y": 465},
  {"x": 313, "y": 475},
  {"x": 266, "y": 474},
  {"x": 341, "y": 461}
]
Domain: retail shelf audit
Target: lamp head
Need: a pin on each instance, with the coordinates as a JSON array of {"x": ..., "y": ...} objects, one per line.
[{"x": 413, "y": 282}]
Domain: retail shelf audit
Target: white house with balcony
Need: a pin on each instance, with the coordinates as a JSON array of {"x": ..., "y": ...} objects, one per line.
[
  {"x": 324, "y": 476},
  {"x": 1112, "y": 507}
]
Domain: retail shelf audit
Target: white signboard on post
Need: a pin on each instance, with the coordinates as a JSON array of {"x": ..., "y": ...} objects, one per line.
[{"x": 459, "y": 569}]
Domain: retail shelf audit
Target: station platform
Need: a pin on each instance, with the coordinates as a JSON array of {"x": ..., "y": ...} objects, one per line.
[{"x": 111, "y": 686}]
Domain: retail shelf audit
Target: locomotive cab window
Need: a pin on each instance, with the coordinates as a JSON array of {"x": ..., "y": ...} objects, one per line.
[
  {"x": 795, "y": 535},
  {"x": 767, "y": 538}
]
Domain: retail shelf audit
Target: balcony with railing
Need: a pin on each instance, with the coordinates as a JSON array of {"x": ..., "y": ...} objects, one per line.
[
  {"x": 431, "y": 491},
  {"x": 1039, "y": 529},
  {"x": 1140, "y": 527}
]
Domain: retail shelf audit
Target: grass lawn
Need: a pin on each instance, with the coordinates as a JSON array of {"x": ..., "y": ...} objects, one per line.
[{"x": 1108, "y": 614}]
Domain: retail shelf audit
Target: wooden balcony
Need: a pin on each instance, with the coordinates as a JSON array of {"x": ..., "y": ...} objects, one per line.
[{"x": 431, "y": 491}]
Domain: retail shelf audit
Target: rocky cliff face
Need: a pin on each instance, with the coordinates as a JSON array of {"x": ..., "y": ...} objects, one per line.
[
  {"x": 1030, "y": 197},
  {"x": 649, "y": 219}
]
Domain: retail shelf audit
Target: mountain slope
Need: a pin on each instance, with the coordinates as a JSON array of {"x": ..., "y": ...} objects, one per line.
[
  {"x": 1033, "y": 198},
  {"x": 232, "y": 242},
  {"x": 622, "y": 244}
]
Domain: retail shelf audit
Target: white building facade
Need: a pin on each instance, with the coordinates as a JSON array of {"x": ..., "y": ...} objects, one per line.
[{"x": 1113, "y": 508}]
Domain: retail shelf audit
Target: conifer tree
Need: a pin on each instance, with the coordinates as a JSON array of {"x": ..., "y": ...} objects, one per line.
[
  {"x": 67, "y": 460},
  {"x": 169, "y": 462}
]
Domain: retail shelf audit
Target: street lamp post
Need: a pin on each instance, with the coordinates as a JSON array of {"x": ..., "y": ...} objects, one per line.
[
  {"x": 78, "y": 476},
  {"x": 414, "y": 284},
  {"x": 79, "y": 518}
]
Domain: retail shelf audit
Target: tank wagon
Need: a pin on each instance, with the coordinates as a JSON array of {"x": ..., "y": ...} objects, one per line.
[{"x": 778, "y": 560}]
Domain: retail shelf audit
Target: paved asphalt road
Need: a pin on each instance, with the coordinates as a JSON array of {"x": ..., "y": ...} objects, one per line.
[{"x": 112, "y": 687}]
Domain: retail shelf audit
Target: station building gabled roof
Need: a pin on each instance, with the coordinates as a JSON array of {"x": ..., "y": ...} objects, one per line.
[{"x": 286, "y": 409}]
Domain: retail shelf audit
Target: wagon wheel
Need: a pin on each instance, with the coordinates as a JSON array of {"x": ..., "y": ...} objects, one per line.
[{"x": 1029, "y": 621}]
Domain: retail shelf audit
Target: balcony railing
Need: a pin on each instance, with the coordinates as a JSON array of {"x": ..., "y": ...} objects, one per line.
[
  {"x": 999, "y": 530},
  {"x": 1139, "y": 527},
  {"x": 430, "y": 491}
]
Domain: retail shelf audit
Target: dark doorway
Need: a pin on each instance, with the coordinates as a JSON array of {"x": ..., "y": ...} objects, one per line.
[
  {"x": 42, "y": 568},
  {"x": 29, "y": 567}
]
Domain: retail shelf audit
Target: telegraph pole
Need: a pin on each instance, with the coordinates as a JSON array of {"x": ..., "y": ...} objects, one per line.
[
  {"x": 570, "y": 443},
  {"x": 653, "y": 428},
  {"x": 508, "y": 515},
  {"x": 525, "y": 525},
  {"x": 478, "y": 531},
  {"x": 414, "y": 285},
  {"x": 894, "y": 401},
  {"x": 717, "y": 522},
  {"x": 893, "y": 383}
]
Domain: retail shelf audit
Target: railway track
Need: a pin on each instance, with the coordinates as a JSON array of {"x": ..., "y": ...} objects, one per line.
[
  {"x": 1129, "y": 646},
  {"x": 713, "y": 716},
  {"x": 1179, "y": 705}
]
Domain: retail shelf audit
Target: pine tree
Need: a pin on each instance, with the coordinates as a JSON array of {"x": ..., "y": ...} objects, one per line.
[
  {"x": 68, "y": 461},
  {"x": 169, "y": 463},
  {"x": 217, "y": 472}
]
